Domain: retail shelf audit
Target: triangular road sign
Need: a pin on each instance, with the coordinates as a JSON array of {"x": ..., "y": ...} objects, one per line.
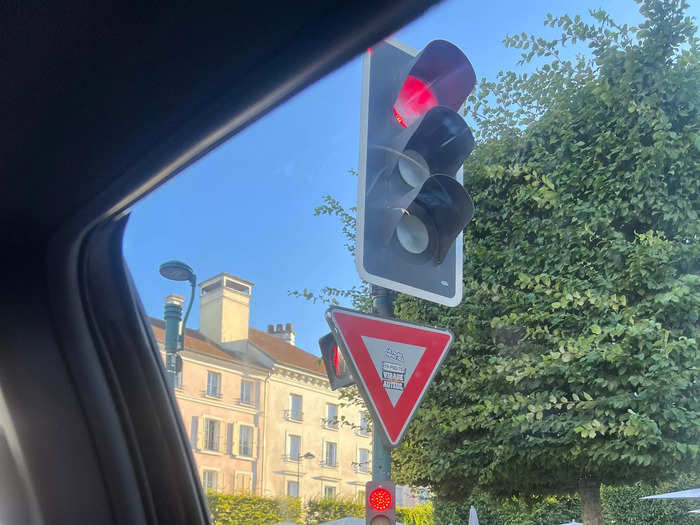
[{"x": 393, "y": 363}]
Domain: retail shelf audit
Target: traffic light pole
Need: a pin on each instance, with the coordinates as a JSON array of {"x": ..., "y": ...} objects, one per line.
[{"x": 382, "y": 304}]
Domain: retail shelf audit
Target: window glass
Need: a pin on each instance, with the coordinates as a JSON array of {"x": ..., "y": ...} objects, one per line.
[
  {"x": 243, "y": 482},
  {"x": 294, "y": 447},
  {"x": 211, "y": 434},
  {"x": 364, "y": 422},
  {"x": 329, "y": 492},
  {"x": 363, "y": 460},
  {"x": 247, "y": 392},
  {"x": 209, "y": 479},
  {"x": 214, "y": 384},
  {"x": 332, "y": 416},
  {"x": 292, "y": 489},
  {"x": 331, "y": 454},
  {"x": 245, "y": 444},
  {"x": 296, "y": 407}
]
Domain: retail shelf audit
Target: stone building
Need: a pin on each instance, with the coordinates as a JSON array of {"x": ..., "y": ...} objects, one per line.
[{"x": 259, "y": 411}]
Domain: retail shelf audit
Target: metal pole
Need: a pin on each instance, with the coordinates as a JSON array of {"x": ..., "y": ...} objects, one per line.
[
  {"x": 173, "y": 314},
  {"x": 382, "y": 304}
]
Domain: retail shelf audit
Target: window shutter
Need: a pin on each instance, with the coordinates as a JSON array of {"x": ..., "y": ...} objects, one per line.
[
  {"x": 221, "y": 437},
  {"x": 200, "y": 434},
  {"x": 229, "y": 439},
  {"x": 236, "y": 438},
  {"x": 257, "y": 394},
  {"x": 193, "y": 432},
  {"x": 255, "y": 441}
]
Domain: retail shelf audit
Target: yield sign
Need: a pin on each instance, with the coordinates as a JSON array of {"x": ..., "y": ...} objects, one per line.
[{"x": 393, "y": 363}]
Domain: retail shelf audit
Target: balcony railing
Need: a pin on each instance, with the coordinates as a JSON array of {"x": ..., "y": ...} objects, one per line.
[
  {"x": 246, "y": 450},
  {"x": 361, "y": 431},
  {"x": 246, "y": 402},
  {"x": 293, "y": 415},
  {"x": 361, "y": 468},
  {"x": 329, "y": 464},
  {"x": 207, "y": 393},
  {"x": 330, "y": 424}
]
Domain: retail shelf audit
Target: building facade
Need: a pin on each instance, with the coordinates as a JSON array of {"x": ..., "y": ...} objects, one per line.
[
  {"x": 259, "y": 411},
  {"x": 221, "y": 401},
  {"x": 316, "y": 445}
]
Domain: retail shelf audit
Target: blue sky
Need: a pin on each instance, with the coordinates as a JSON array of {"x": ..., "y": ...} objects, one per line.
[{"x": 247, "y": 207}]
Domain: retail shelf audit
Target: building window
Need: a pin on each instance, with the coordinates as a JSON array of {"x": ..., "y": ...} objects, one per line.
[
  {"x": 331, "y": 459},
  {"x": 361, "y": 496},
  {"x": 245, "y": 441},
  {"x": 332, "y": 416},
  {"x": 329, "y": 492},
  {"x": 364, "y": 424},
  {"x": 247, "y": 392},
  {"x": 363, "y": 460},
  {"x": 178, "y": 379},
  {"x": 292, "y": 489},
  {"x": 214, "y": 384},
  {"x": 244, "y": 483},
  {"x": 209, "y": 479},
  {"x": 294, "y": 447},
  {"x": 295, "y": 408},
  {"x": 211, "y": 435}
]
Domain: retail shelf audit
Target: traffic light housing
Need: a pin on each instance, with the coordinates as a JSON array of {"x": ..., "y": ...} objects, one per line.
[
  {"x": 412, "y": 206},
  {"x": 337, "y": 369},
  {"x": 380, "y": 503}
]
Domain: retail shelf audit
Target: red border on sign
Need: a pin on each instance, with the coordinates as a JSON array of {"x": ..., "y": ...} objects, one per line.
[{"x": 354, "y": 327}]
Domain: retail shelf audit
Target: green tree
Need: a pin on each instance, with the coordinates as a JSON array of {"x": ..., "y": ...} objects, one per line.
[{"x": 576, "y": 354}]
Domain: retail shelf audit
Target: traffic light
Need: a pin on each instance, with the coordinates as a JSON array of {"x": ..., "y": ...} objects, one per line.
[
  {"x": 412, "y": 206},
  {"x": 336, "y": 368},
  {"x": 380, "y": 503}
]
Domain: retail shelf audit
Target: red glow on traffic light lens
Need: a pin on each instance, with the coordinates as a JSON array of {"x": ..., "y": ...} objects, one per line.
[
  {"x": 380, "y": 499},
  {"x": 336, "y": 360},
  {"x": 414, "y": 101}
]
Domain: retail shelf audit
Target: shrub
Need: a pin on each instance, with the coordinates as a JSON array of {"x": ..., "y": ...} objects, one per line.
[
  {"x": 249, "y": 509},
  {"x": 420, "y": 515},
  {"x": 320, "y": 510}
]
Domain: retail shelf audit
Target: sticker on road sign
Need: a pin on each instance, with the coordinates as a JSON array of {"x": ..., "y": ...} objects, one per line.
[{"x": 393, "y": 362}]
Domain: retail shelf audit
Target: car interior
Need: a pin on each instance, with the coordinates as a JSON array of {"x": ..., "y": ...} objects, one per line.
[{"x": 101, "y": 104}]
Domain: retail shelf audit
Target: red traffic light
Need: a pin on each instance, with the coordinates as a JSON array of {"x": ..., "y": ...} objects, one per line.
[
  {"x": 380, "y": 505},
  {"x": 337, "y": 370},
  {"x": 414, "y": 101},
  {"x": 336, "y": 360},
  {"x": 380, "y": 499}
]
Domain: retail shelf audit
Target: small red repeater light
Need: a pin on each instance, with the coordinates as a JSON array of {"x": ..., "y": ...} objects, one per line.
[
  {"x": 336, "y": 360},
  {"x": 414, "y": 101},
  {"x": 380, "y": 499}
]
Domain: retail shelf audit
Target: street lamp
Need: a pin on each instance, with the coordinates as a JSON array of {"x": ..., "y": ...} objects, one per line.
[
  {"x": 308, "y": 455},
  {"x": 174, "y": 335}
]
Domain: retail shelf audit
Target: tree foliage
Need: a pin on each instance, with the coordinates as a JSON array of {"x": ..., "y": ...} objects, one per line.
[
  {"x": 321, "y": 510},
  {"x": 576, "y": 352},
  {"x": 621, "y": 506}
]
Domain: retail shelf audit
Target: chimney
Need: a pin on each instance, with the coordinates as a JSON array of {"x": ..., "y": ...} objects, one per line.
[
  {"x": 224, "y": 308},
  {"x": 285, "y": 333}
]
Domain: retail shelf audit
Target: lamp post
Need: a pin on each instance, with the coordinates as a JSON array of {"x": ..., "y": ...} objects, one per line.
[
  {"x": 308, "y": 455},
  {"x": 174, "y": 335}
]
